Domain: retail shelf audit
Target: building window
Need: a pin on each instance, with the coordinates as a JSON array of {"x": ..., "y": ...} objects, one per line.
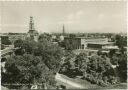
[{"x": 82, "y": 46}]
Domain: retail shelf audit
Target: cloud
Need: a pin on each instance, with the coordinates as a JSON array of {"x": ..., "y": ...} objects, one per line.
[
  {"x": 72, "y": 18},
  {"x": 79, "y": 14},
  {"x": 13, "y": 25},
  {"x": 76, "y": 15},
  {"x": 101, "y": 16}
]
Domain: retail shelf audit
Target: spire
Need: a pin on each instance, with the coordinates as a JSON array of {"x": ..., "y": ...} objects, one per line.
[
  {"x": 31, "y": 24},
  {"x": 63, "y": 30}
]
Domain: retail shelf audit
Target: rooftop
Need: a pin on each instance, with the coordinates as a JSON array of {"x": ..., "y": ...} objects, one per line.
[
  {"x": 89, "y": 37},
  {"x": 101, "y": 43}
]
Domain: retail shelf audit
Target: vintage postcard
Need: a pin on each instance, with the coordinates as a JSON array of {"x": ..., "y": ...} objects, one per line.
[{"x": 63, "y": 44}]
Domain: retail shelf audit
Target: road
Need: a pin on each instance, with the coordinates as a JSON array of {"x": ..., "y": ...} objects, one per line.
[{"x": 59, "y": 78}]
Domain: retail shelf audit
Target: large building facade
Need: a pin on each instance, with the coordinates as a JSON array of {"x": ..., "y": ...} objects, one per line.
[{"x": 89, "y": 43}]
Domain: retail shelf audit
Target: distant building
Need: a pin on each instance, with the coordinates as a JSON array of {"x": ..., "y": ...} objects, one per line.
[
  {"x": 15, "y": 36},
  {"x": 63, "y": 34},
  {"x": 74, "y": 43},
  {"x": 8, "y": 39},
  {"x": 100, "y": 45},
  {"x": 61, "y": 38},
  {"x": 86, "y": 41},
  {"x": 92, "y": 43},
  {"x": 4, "y": 42},
  {"x": 32, "y": 33}
]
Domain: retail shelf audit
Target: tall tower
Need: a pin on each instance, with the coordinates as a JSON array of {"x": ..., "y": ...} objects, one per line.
[
  {"x": 63, "y": 34},
  {"x": 31, "y": 24},
  {"x": 63, "y": 30},
  {"x": 32, "y": 33}
]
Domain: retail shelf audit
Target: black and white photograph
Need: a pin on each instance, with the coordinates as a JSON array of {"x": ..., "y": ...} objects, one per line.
[{"x": 55, "y": 45}]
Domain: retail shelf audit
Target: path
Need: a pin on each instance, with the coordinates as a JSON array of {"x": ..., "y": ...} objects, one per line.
[{"x": 58, "y": 77}]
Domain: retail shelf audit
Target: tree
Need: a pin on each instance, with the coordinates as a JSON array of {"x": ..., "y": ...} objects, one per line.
[
  {"x": 112, "y": 52},
  {"x": 115, "y": 59},
  {"x": 81, "y": 61},
  {"x": 29, "y": 46},
  {"x": 68, "y": 55},
  {"x": 122, "y": 68},
  {"x": 51, "y": 55},
  {"x": 95, "y": 68},
  {"x": 121, "y": 41},
  {"x": 45, "y": 37},
  {"x": 18, "y": 43},
  {"x": 25, "y": 46},
  {"x": 27, "y": 69},
  {"x": 35, "y": 62},
  {"x": 68, "y": 64},
  {"x": 5, "y": 40}
]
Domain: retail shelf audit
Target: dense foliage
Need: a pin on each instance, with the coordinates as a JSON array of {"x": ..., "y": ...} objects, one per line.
[
  {"x": 119, "y": 59},
  {"x": 96, "y": 69},
  {"x": 34, "y": 62},
  {"x": 5, "y": 40},
  {"x": 122, "y": 68},
  {"x": 38, "y": 62},
  {"x": 120, "y": 41}
]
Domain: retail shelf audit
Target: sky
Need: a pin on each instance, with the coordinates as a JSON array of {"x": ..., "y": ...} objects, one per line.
[{"x": 77, "y": 17}]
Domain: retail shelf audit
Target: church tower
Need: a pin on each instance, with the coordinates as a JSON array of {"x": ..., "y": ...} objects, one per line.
[
  {"x": 32, "y": 33},
  {"x": 31, "y": 24},
  {"x": 63, "y": 30},
  {"x": 63, "y": 34}
]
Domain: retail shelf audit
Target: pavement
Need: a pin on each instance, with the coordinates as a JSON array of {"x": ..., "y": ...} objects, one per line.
[{"x": 69, "y": 83}]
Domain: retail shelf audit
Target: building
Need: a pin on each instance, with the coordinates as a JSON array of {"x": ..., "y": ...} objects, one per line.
[
  {"x": 86, "y": 41},
  {"x": 63, "y": 34},
  {"x": 4, "y": 41},
  {"x": 15, "y": 36},
  {"x": 72, "y": 42},
  {"x": 32, "y": 33},
  {"x": 8, "y": 39},
  {"x": 89, "y": 43},
  {"x": 101, "y": 45}
]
